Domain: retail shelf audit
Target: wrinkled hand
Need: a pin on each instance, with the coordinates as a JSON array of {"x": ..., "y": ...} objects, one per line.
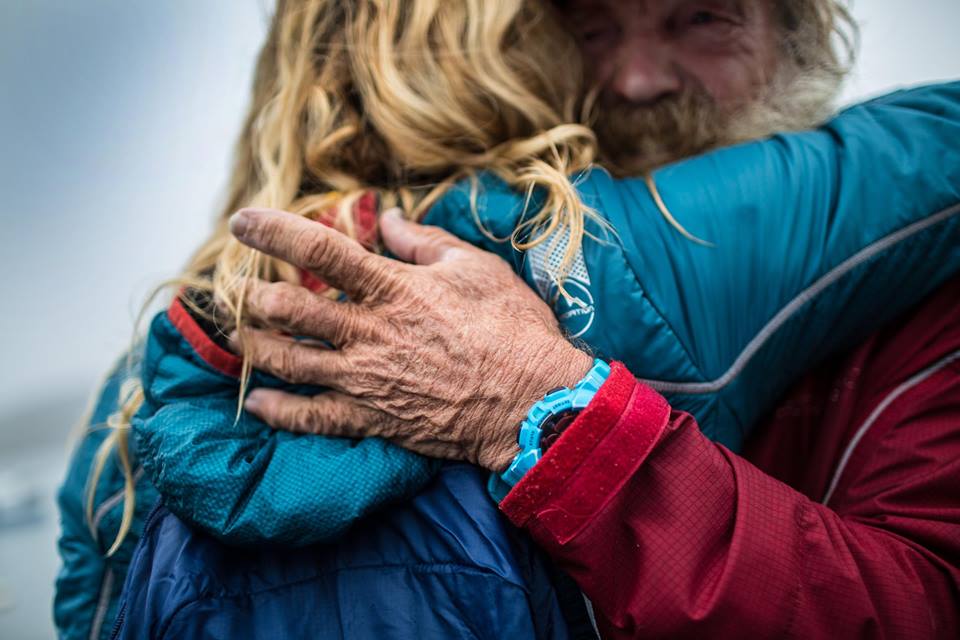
[{"x": 443, "y": 356}]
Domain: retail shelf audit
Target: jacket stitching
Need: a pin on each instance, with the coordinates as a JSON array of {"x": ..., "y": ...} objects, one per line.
[
  {"x": 103, "y": 603},
  {"x": 113, "y": 501},
  {"x": 804, "y": 297},
  {"x": 878, "y": 412}
]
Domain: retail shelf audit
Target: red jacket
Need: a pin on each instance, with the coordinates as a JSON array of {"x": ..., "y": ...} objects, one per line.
[{"x": 842, "y": 520}]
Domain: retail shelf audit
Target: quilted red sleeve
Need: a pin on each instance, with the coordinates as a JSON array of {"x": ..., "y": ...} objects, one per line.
[{"x": 671, "y": 535}]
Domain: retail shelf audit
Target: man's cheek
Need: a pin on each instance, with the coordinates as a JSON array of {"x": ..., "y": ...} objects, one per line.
[
  {"x": 599, "y": 70},
  {"x": 728, "y": 80}
]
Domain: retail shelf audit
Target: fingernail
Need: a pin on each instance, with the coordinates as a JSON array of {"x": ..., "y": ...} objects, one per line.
[
  {"x": 395, "y": 213},
  {"x": 240, "y": 223},
  {"x": 253, "y": 402}
]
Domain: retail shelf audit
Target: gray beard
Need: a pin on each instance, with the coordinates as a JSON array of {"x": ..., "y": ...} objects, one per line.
[{"x": 636, "y": 140}]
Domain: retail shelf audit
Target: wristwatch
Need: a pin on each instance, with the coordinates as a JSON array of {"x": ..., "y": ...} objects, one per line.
[{"x": 545, "y": 422}]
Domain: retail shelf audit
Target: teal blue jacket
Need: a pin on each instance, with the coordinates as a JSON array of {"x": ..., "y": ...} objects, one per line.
[{"x": 818, "y": 237}]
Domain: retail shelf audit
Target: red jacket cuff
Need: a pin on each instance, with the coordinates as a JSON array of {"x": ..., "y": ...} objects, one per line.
[{"x": 598, "y": 453}]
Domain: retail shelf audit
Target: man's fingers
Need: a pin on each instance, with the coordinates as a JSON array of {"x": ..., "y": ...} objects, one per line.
[
  {"x": 300, "y": 312},
  {"x": 333, "y": 257},
  {"x": 417, "y": 243},
  {"x": 290, "y": 359},
  {"x": 330, "y": 414}
]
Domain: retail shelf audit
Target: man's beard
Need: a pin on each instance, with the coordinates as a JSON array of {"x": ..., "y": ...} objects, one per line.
[{"x": 635, "y": 139}]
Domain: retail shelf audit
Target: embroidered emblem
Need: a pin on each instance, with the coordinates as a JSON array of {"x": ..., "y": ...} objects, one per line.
[{"x": 575, "y": 314}]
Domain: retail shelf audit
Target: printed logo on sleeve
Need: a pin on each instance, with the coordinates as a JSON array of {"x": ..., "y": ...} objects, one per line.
[{"x": 575, "y": 313}]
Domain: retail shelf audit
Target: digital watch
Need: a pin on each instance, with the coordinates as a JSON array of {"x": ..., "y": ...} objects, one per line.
[{"x": 544, "y": 423}]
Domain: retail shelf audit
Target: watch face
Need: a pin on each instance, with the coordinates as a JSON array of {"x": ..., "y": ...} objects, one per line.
[{"x": 553, "y": 428}]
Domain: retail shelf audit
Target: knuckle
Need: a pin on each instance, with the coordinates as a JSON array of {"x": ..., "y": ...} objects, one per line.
[
  {"x": 352, "y": 384},
  {"x": 432, "y": 246},
  {"x": 297, "y": 318},
  {"x": 271, "y": 359},
  {"x": 293, "y": 367},
  {"x": 275, "y": 303},
  {"x": 339, "y": 415},
  {"x": 315, "y": 251},
  {"x": 370, "y": 381},
  {"x": 375, "y": 281},
  {"x": 320, "y": 415},
  {"x": 388, "y": 429},
  {"x": 251, "y": 348},
  {"x": 283, "y": 361},
  {"x": 441, "y": 236},
  {"x": 346, "y": 328},
  {"x": 297, "y": 313},
  {"x": 402, "y": 284},
  {"x": 305, "y": 417},
  {"x": 266, "y": 230}
]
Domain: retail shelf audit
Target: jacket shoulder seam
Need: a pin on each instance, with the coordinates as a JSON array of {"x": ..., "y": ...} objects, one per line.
[{"x": 788, "y": 311}]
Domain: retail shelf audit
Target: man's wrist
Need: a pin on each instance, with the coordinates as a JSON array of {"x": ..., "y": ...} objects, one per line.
[
  {"x": 536, "y": 431},
  {"x": 614, "y": 447},
  {"x": 562, "y": 366}
]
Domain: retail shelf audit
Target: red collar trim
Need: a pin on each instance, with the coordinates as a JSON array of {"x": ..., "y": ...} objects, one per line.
[
  {"x": 213, "y": 354},
  {"x": 365, "y": 223}
]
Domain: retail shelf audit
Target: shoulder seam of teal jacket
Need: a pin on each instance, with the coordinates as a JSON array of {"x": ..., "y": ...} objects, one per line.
[{"x": 804, "y": 297}]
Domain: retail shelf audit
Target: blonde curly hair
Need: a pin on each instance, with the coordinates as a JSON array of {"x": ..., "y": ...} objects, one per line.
[{"x": 402, "y": 98}]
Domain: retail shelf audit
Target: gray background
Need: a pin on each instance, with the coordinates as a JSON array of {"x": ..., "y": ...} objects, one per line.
[{"x": 117, "y": 118}]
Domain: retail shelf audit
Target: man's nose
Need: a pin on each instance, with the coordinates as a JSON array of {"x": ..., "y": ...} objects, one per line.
[{"x": 645, "y": 71}]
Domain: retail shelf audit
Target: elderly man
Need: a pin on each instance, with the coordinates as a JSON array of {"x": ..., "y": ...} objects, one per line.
[{"x": 841, "y": 520}]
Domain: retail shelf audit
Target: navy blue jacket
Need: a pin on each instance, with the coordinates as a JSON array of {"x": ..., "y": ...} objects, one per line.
[{"x": 442, "y": 565}]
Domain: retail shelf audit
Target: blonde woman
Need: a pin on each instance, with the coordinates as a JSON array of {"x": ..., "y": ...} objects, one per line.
[{"x": 470, "y": 111}]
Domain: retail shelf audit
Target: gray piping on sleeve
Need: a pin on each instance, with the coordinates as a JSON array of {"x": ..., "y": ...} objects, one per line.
[
  {"x": 792, "y": 307},
  {"x": 878, "y": 411},
  {"x": 591, "y": 615},
  {"x": 103, "y": 603},
  {"x": 112, "y": 501}
]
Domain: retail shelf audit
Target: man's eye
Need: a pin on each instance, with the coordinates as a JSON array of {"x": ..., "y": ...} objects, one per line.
[
  {"x": 702, "y": 23},
  {"x": 598, "y": 34},
  {"x": 699, "y": 18}
]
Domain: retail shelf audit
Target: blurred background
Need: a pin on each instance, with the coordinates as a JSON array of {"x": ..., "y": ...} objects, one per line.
[{"x": 117, "y": 119}]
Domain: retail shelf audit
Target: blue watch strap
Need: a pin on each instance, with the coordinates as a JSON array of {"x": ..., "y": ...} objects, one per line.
[{"x": 553, "y": 403}]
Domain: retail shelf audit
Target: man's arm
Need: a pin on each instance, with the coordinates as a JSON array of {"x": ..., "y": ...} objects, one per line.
[
  {"x": 667, "y": 532},
  {"x": 671, "y": 535}
]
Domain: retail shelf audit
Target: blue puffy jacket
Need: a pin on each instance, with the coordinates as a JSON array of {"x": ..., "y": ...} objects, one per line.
[
  {"x": 817, "y": 239},
  {"x": 835, "y": 213},
  {"x": 441, "y": 565}
]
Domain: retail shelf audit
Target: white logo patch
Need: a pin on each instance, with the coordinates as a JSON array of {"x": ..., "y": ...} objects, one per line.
[{"x": 577, "y": 314}]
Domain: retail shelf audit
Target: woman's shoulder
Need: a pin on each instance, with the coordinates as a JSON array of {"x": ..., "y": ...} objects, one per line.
[
  {"x": 95, "y": 518},
  {"x": 481, "y": 209},
  {"x": 485, "y": 210},
  {"x": 95, "y": 430}
]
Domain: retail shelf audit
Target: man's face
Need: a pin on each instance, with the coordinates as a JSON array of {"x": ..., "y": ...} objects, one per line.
[{"x": 673, "y": 74}]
